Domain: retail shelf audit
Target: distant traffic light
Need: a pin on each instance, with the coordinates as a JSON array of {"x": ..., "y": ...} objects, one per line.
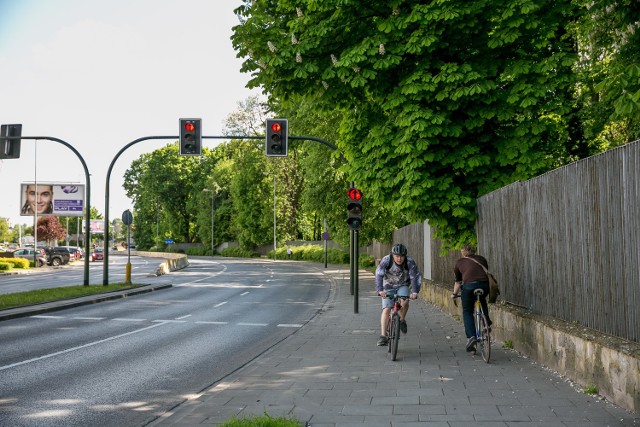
[
  {"x": 10, "y": 148},
  {"x": 354, "y": 207},
  {"x": 276, "y": 142},
  {"x": 190, "y": 137}
]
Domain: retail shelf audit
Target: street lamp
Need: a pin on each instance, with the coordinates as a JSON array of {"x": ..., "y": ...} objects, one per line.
[
  {"x": 213, "y": 195},
  {"x": 274, "y": 213}
]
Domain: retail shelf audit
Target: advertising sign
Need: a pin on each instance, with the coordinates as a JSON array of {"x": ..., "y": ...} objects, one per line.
[
  {"x": 51, "y": 199},
  {"x": 96, "y": 226}
]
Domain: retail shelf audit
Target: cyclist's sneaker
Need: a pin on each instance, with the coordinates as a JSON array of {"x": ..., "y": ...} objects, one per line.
[
  {"x": 382, "y": 341},
  {"x": 471, "y": 344},
  {"x": 403, "y": 326}
]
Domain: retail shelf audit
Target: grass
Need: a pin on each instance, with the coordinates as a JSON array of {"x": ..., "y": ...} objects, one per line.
[
  {"x": 39, "y": 296},
  {"x": 262, "y": 421},
  {"x": 591, "y": 389},
  {"x": 507, "y": 344}
]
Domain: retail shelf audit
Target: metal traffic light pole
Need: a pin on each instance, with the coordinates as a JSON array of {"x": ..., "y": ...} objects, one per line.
[
  {"x": 105, "y": 267},
  {"x": 87, "y": 196}
]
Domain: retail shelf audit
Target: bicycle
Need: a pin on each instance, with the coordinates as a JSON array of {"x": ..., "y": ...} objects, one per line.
[
  {"x": 483, "y": 333},
  {"x": 393, "y": 325}
]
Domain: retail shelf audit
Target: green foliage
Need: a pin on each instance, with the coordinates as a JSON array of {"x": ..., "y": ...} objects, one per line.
[
  {"x": 426, "y": 132},
  {"x": 261, "y": 421},
  {"x": 5, "y": 232},
  {"x": 236, "y": 251},
  {"x": 508, "y": 344},
  {"x": 16, "y": 262},
  {"x": 4, "y": 266},
  {"x": 315, "y": 253},
  {"x": 592, "y": 389}
]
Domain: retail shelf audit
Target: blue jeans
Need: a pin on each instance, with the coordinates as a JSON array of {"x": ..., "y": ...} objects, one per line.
[{"x": 468, "y": 300}]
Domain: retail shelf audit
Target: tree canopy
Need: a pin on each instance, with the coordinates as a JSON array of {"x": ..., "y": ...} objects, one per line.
[{"x": 440, "y": 102}]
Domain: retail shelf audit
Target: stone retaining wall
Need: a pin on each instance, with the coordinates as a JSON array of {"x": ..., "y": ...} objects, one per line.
[{"x": 583, "y": 355}]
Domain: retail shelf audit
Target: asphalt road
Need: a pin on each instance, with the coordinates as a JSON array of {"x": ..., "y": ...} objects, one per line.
[{"x": 126, "y": 362}]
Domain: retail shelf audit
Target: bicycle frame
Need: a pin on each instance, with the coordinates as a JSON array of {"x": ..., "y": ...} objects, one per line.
[{"x": 393, "y": 325}]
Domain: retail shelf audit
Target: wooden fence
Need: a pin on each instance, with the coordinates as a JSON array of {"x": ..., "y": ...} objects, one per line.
[{"x": 567, "y": 243}]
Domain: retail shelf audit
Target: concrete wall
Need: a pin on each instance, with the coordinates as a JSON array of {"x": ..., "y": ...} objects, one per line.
[
  {"x": 168, "y": 261},
  {"x": 583, "y": 355}
]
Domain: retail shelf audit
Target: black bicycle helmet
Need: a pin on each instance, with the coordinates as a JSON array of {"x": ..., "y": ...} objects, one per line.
[{"x": 399, "y": 249}]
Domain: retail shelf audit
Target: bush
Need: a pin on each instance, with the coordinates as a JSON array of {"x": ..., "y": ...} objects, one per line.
[
  {"x": 16, "y": 262},
  {"x": 4, "y": 266},
  {"x": 237, "y": 251},
  {"x": 315, "y": 253}
]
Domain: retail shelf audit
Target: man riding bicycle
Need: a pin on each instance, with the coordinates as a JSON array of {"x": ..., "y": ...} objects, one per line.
[{"x": 395, "y": 273}]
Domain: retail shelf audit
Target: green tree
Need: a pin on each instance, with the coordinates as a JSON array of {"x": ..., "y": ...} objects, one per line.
[
  {"x": 439, "y": 102},
  {"x": 5, "y": 231},
  {"x": 163, "y": 183}
]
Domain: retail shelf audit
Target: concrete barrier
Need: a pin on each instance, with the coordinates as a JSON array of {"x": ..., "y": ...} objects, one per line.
[
  {"x": 585, "y": 356},
  {"x": 171, "y": 261}
]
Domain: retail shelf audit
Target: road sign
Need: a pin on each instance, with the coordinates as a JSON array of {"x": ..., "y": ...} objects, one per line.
[
  {"x": 127, "y": 217},
  {"x": 168, "y": 241},
  {"x": 325, "y": 236}
]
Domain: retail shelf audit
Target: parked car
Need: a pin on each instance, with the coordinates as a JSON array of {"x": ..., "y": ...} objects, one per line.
[
  {"x": 28, "y": 254},
  {"x": 97, "y": 254},
  {"x": 76, "y": 251},
  {"x": 58, "y": 255}
]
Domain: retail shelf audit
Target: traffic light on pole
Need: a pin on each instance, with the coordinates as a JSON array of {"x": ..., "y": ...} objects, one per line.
[
  {"x": 10, "y": 148},
  {"x": 190, "y": 137},
  {"x": 355, "y": 209},
  {"x": 276, "y": 142}
]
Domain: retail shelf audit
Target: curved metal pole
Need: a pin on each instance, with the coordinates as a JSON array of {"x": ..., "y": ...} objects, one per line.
[
  {"x": 105, "y": 262},
  {"x": 87, "y": 197}
]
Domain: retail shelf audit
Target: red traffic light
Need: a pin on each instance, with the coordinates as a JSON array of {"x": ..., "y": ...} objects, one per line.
[
  {"x": 276, "y": 127},
  {"x": 355, "y": 194},
  {"x": 189, "y": 127}
]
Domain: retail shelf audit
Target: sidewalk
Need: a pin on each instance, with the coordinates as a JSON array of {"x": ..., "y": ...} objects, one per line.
[{"x": 330, "y": 373}]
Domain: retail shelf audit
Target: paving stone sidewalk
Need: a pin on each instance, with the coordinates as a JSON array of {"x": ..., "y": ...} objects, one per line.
[{"x": 330, "y": 373}]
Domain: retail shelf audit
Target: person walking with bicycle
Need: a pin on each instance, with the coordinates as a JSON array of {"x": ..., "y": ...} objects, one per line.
[
  {"x": 469, "y": 276},
  {"x": 395, "y": 273}
]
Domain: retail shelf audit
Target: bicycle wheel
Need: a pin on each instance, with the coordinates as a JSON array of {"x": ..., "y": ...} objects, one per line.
[
  {"x": 395, "y": 333},
  {"x": 484, "y": 340},
  {"x": 389, "y": 328}
]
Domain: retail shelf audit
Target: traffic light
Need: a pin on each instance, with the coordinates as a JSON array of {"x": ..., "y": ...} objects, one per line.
[
  {"x": 276, "y": 143},
  {"x": 190, "y": 137},
  {"x": 10, "y": 148},
  {"x": 355, "y": 209}
]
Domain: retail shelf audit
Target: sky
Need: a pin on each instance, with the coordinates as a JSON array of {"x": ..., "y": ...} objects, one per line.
[{"x": 100, "y": 74}]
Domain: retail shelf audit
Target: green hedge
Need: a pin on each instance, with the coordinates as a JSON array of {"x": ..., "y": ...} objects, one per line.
[
  {"x": 315, "y": 253},
  {"x": 16, "y": 262},
  {"x": 4, "y": 266}
]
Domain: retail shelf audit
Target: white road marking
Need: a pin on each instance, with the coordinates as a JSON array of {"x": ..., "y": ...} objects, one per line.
[
  {"x": 183, "y": 317},
  {"x": 244, "y": 293},
  {"x": 219, "y": 304},
  {"x": 289, "y": 325},
  {"x": 168, "y": 321},
  {"x": 38, "y": 316},
  {"x": 89, "y": 318},
  {"x": 253, "y": 324},
  {"x": 204, "y": 322},
  {"x": 121, "y": 319},
  {"x": 47, "y": 356}
]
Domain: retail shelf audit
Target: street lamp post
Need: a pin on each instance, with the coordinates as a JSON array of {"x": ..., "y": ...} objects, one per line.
[
  {"x": 274, "y": 213},
  {"x": 213, "y": 194}
]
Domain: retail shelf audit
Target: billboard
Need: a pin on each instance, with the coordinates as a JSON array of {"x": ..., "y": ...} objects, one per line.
[
  {"x": 96, "y": 226},
  {"x": 51, "y": 199}
]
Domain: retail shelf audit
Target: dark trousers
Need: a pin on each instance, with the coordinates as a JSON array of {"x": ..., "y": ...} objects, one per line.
[{"x": 468, "y": 300}]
